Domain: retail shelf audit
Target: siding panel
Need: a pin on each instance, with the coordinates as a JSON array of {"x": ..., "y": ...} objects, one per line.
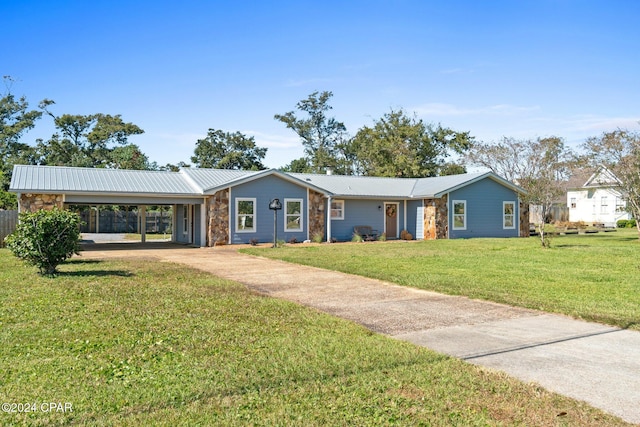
[
  {"x": 264, "y": 190},
  {"x": 484, "y": 210}
]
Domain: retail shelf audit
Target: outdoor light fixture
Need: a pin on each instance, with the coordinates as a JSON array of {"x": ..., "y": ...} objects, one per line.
[{"x": 275, "y": 206}]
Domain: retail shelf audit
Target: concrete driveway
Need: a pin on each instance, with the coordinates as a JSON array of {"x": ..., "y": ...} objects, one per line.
[{"x": 587, "y": 361}]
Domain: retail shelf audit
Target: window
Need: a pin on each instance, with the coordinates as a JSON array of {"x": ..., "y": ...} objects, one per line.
[
  {"x": 604, "y": 208},
  {"x": 573, "y": 203},
  {"x": 292, "y": 214},
  {"x": 459, "y": 214},
  {"x": 245, "y": 215},
  {"x": 185, "y": 220},
  {"x": 337, "y": 209},
  {"x": 508, "y": 215}
]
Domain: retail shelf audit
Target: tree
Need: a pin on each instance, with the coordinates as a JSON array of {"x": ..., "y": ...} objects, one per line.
[
  {"x": 619, "y": 151},
  {"x": 323, "y": 138},
  {"x": 224, "y": 150},
  {"x": 401, "y": 146},
  {"x": 300, "y": 165},
  {"x": 46, "y": 238},
  {"x": 15, "y": 120},
  {"x": 88, "y": 141},
  {"x": 538, "y": 166}
]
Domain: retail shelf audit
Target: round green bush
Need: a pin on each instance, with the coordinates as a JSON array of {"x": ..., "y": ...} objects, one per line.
[{"x": 46, "y": 238}]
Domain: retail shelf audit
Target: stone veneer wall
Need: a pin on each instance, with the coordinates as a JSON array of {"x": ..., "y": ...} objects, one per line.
[
  {"x": 36, "y": 202},
  {"x": 316, "y": 214},
  {"x": 218, "y": 218},
  {"x": 524, "y": 220},
  {"x": 436, "y": 224}
]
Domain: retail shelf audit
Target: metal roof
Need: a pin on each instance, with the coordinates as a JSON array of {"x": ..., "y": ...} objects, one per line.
[
  {"x": 195, "y": 181},
  {"x": 52, "y": 179},
  {"x": 359, "y": 186},
  {"x": 208, "y": 179},
  {"x": 436, "y": 186}
]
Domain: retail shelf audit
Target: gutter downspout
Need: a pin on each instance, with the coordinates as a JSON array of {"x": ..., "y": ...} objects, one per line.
[
  {"x": 405, "y": 215},
  {"x": 328, "y": 219}
]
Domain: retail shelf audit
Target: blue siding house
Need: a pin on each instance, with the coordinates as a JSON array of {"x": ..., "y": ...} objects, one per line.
[{"x": 212, "y": 206}]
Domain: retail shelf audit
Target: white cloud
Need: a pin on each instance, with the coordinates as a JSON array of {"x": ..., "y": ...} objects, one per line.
[
  {"x": 273, "y": 140},
  {"x": 446, "y": 110}
]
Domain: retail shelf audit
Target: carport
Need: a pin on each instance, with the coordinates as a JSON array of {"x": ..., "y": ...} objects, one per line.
[{"x": 49, "y": 187}]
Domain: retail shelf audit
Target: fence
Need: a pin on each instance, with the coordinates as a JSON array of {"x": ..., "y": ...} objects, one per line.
[
  {"x": 123, "y": 222},
  {"x": 8, "y": 222}
]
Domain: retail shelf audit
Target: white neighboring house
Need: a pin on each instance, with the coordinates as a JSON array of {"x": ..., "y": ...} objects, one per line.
[{"x": 598, "y": 201}]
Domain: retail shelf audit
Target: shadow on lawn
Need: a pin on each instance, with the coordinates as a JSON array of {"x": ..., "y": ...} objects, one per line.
[
  {"x": 95, "y": 273},
  {"x": 91, "y": 273}
]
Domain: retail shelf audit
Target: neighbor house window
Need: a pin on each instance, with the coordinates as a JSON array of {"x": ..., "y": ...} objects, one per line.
[
  {"x": 459, "y": 214},
  {"x": 292, "y": 214},
  {"x": 508, "y": 215},
  {"x": 245, "y": 215},
  {"x": 603, "y": 204},
  {"x": 573, "y": 203},
  {"x": 185, "y": 220},
  {"x": 337, "y": 209}
]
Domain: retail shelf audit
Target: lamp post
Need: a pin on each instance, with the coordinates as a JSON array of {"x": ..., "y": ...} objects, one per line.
[{"x": 275, "y": 206}]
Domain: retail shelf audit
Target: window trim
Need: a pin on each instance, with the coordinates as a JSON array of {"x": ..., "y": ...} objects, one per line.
[
  {"x": 604, "y": 204},
  {"x": 286, "y": 215},
  {"x": 341, "y": 217},
  {"x": 453, "y": 214},
  {"x": 504, "y": 215},
  {"x": 254, "y": 214}
]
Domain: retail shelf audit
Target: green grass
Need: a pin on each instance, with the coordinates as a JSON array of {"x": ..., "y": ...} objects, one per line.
[
  {"x": 593, "y": 277},
  {"x": 147, "y": 343}
]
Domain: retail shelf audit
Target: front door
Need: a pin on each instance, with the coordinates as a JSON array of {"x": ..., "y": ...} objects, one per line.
[{"x": 391, "y": 220}]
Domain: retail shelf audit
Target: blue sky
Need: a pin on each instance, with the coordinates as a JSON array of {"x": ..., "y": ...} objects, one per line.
[{"x": 519, "y": 68}]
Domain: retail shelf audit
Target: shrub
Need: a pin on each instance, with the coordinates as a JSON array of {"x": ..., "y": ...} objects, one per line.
[
  {"x": 626, "y": 223},
  {"x": 317, "y": 238},
  {"x": 253, "y": 242},
  {"x": 46, "y": 238},
  {"x": 382, "y": 237},
  {"x": 293, "y": 240},
  {"x": 357, "y": 238}
]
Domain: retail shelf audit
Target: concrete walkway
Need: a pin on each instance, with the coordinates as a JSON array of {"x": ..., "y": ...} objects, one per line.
[{"x": 587, "y": 361}]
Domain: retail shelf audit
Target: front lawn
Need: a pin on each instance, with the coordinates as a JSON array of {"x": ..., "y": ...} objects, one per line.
[
  {"x": 144, "y": 343},
  {"x": 593, "y": 277}
]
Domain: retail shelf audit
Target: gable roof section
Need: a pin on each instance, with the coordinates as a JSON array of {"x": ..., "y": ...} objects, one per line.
[
  {"x": 359, "y": 186},
  {"x": 440, "y": 185},
  {"x": 602, "y": 177},
  {"x": 63, "y": 179}
]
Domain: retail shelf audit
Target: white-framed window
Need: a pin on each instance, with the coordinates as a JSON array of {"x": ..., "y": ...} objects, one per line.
[
  {"x": 337, "y": 209},
  {"x": 245, "y": 215},
  {"x": 509, "y": 215},
  {"x": 459, "y": 214},
  {"x": 185, "y": 220},
  {"x": 573, "y": 203},
  {"x": 292, "y": 214},
  {"x": 604, "y": 204}
]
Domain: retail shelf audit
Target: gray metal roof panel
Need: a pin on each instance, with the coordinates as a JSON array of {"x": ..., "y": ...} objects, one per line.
[
  {"x": 92, "y": 180},
  {"x": 359, "y": 186},
  {"x": 207, "y": 179},
  {"x": 430, "y": 187}
]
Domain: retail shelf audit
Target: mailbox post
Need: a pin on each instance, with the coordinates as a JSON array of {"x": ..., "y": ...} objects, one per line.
[{"x": 275, "y": 206}]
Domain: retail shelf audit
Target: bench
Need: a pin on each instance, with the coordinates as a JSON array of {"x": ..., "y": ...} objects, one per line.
[{"x": 366, "y": 232}]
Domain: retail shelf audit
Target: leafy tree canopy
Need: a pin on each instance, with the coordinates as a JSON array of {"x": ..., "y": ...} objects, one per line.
[
  {"x": 224, "y": 150},
  {"x": 323, "y": 138},
  {"x": 90, "y": 141},
  {"x": 401, "y": 146}
]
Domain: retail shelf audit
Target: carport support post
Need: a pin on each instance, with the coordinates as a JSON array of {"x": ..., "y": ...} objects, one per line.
[{"x": 143, "y": 223}]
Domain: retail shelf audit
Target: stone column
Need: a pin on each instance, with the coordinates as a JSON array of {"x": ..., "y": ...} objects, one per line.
[
  {"x": 35, "y": 202},
  {"x": 316, "y": 214},
  {"x": 218, "y": 218}
]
